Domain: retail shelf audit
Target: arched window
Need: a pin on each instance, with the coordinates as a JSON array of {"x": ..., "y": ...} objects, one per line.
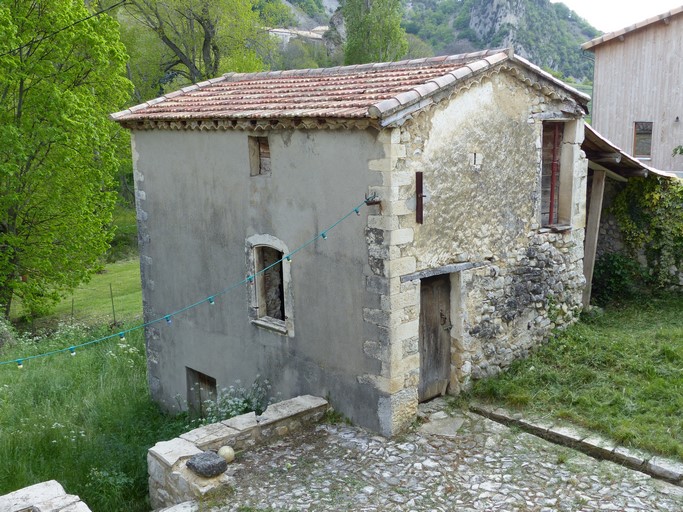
[{"x": 270, "y": 298}]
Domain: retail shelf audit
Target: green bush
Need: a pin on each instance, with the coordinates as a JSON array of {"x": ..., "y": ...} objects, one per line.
[
  {"x": 7, "y": 333},
  {"x": 649, "y": 212},
  {"x": 237, "y": 400},
  {"x": 616, "y": 277}
]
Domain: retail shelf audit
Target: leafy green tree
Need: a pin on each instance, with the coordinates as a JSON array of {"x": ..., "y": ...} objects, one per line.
[
  {"x": 417, "y": 48},
  {"x": 203, "y": 38},
  {"x": 57, "y": 146},
  {"x": 146, "y": 57},
  {"x": 374, "y": 32}
]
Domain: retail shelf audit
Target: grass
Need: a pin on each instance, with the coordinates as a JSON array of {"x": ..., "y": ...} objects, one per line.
[
  {"x": 91, "y": 303},
  {"x": 619, "y": 373},
  {"x": 86, "y": 421}
]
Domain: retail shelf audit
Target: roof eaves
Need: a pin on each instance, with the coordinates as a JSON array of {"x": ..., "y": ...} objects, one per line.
[
  {"x": 533, "y": 67},
  {"x": 116, "y": 116},
  {"x": 590, "y": 45}
]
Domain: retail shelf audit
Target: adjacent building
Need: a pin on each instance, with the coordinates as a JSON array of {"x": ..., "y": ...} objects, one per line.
[{"x": 638, "y": 89}]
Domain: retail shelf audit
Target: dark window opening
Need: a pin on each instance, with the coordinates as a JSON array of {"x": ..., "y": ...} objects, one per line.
[
  {"x": 270, "y": 284},
  {"x": 200, "y": 389},
  {"x": 642, "y": 140},
  {"x": 550, "y": 176},
  {"x": 259, "y": 156}
]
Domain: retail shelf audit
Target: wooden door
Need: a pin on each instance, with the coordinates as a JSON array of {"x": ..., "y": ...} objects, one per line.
[{"x": 435, "y": 337}]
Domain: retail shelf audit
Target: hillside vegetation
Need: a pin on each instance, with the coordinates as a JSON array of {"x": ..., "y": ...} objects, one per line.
[{"x": 548, "y": 34}]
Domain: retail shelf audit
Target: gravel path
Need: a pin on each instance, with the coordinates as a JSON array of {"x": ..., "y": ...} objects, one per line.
[{"x": 466, "y": 463}]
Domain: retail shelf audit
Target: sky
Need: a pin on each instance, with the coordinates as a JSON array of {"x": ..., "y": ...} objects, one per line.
[{"x": 610, "y": 15}]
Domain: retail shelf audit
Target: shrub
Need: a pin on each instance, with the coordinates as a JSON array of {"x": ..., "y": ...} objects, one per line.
[
  {"x": 237, "y": 400},
  {"x": 649, "y": 212},
  {"x": 616, "y": 277},
  {"x": 7, "y": 333}
]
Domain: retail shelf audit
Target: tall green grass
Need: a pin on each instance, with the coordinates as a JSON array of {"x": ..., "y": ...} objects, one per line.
[
  {"x": 85, "y": 420},
  {"x": 619, "y": 373}
]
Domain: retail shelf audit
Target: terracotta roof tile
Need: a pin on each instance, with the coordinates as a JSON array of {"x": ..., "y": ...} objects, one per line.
[
  {"x": 376, "y": 90},
  {"x": 339, "y": 92}
]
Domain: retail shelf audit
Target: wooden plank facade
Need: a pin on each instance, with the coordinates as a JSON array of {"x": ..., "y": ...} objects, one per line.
[{"x": 639, "y": 79}]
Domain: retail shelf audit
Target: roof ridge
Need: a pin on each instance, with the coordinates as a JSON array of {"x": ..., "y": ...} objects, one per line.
[{"x": 353, "y": 68}]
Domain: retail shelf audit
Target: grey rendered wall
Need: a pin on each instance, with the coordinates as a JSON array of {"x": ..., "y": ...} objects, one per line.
[{"x": 197, "y": 205}]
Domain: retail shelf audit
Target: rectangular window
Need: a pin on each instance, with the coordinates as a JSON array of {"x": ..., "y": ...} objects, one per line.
[
  {"x": 269, "y": 284},
  {"x": 642, "y": 139},
  {"x": 550, "y": 175},
  {"x": 259, "y": 156},
  {"x": 200, "y": 389}
]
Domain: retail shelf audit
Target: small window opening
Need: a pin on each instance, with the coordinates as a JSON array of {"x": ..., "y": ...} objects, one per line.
[
  {"x": 550, "y": 176},
  {"x": 259, "y": 156},
  {"x": 201, "y": 388},
  {"x": 642, "y": 139},
  {"x": 269, "y": 284}
]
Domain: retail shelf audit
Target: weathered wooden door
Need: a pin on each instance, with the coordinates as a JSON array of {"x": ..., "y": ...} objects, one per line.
[{"x": 435, "y": 337}]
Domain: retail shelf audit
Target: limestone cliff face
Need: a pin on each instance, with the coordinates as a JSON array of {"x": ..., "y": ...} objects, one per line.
[
  {"x": 487, "y": 18},
  {"x": 548, "y": 34}
]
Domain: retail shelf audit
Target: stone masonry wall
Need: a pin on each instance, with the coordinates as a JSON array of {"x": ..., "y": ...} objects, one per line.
[
  {"x": 480, "y": 155},
  {"x": 511, "y": 307},
  {"x": 171, "y": 482},
  {"x": 395, "y": 318}
]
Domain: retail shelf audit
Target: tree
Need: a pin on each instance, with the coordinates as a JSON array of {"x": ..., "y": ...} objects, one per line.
[
  {"x": 374, "y": 32},
  {"x": 59, "y": 79},
  {"x": 204, "y": 37}
]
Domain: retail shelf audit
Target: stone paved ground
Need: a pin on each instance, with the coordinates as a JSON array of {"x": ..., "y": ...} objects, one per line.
[{"x": 470, "y": 464}]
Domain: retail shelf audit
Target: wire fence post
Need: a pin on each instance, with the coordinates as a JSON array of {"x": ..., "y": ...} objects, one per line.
[{"x": 113, "y": 310}]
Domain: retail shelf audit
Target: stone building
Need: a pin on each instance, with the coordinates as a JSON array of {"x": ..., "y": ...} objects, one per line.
[{"x": 467, "y": 253}]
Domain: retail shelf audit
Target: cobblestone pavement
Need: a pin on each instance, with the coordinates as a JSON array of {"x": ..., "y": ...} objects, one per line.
[{"x": 468, "y": 463}]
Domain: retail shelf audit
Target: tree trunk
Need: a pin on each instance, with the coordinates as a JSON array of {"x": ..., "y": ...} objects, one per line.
[{"x": 6, "y": 296}]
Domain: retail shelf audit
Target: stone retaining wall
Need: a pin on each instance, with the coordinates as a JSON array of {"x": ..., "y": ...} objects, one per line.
[
  {"x": 171, "y": 482},
  {"x": 43, "y": 497}
]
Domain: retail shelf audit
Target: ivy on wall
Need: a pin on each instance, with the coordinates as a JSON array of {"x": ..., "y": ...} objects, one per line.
[{"x": 649, "y": 212}]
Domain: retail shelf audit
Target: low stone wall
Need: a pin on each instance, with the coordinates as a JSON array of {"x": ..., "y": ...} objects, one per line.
[
  {"x": 43, "y": 497},
  {"x": 170, "y": 480}
]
